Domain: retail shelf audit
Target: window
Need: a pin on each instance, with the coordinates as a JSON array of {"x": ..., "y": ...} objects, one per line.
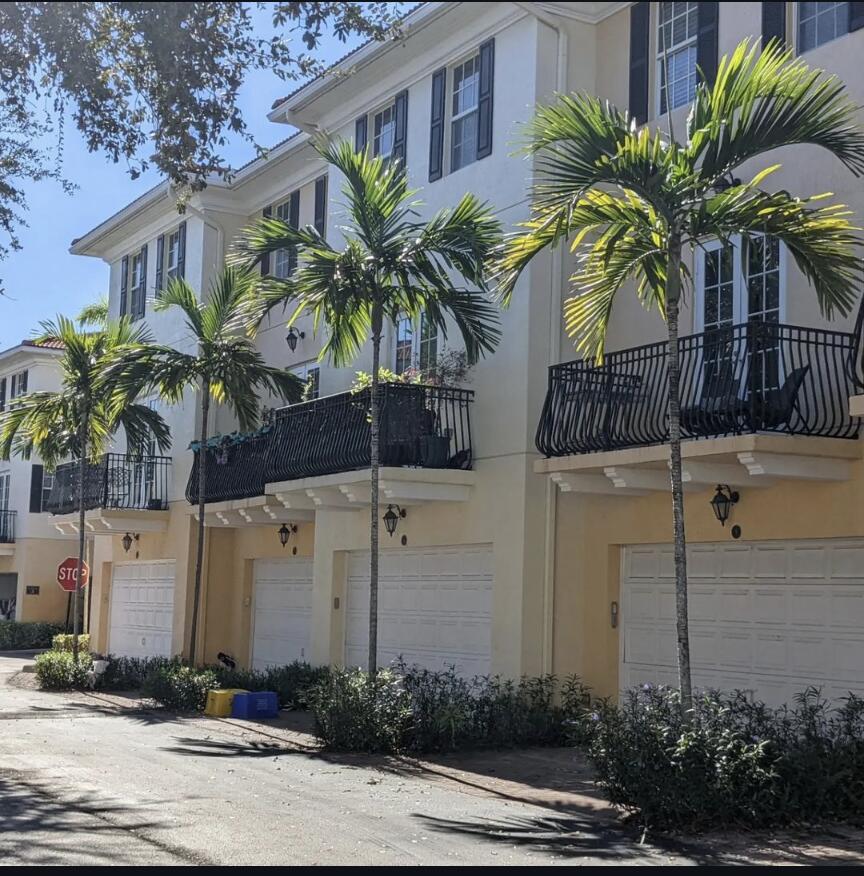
[
  {"x": 47, "y": 486},
  {"x": 428, "y": 343},
  {"x": 18, "y": 385},
  {"x": 285, "y": 260},
  {"x": 384, "y": 132},
  {"x": 677, "y": 31},
  {"x": 819, "y": 23},
  {"x": 404, "y": 345},
  {"x": 4, "y": 490},
  {"x": 465, "y": 113},
  {"x": 310, "y": 373}
]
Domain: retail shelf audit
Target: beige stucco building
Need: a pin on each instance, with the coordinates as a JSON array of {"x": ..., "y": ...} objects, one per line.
[{"x": 513, "y": 559}]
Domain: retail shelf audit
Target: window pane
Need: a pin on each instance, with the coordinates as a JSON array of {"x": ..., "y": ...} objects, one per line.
[
  {"x": 404, "y": 345},
  {"x": 384, "y": 132},
  {"x": 464, "y": 141}
]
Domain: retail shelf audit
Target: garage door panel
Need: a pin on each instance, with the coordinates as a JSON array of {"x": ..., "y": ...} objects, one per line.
[
  {"x": 282, "y": 621},
  {"x": 435, "y": 607},
  {"x": 142, "y": 609},
  {"x": 793, "y": 620}
]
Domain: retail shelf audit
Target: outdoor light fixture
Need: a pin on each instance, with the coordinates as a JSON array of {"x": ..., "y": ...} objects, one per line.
[
  {"x": 128, "y": 539},
  {"x": 391, "y": 518},
  {"x": 722, "y": 502},
  {"x": 293, "y": 337},
  {"x": 285, "y": 532}
]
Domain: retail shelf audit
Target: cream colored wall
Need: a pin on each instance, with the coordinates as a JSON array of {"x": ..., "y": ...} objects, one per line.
[
  {"x": 593, "y": 529},
  {"x": 35, "y": 561}
]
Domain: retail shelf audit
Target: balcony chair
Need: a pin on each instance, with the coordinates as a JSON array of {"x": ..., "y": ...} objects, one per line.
[{"x": 772, "y": 409}]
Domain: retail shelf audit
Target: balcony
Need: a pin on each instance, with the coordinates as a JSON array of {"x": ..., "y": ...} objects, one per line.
[
  {"x": 316, "y": 445},
  {"x": 118, "y": 486},
  {"x": 7, "y": 532},
  {"x": 741, "y": 388}
]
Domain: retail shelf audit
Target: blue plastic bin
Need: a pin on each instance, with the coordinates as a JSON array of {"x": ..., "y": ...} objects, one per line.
[{"x": 254, "y": 705}]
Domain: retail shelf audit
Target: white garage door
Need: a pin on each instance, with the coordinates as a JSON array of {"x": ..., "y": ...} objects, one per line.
[
  {"x": 434, "y": 608},
  {"x": 770, "y": 617},
  {"x": 283, "y": 612},
  {"x": 142, "y": 609}
]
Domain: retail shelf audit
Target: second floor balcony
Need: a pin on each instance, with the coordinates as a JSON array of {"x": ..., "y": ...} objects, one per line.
[
  {"x": 7, "y": 526},
  {"x": 423, "y": 427},
  {"x": 115, "y": 482}
]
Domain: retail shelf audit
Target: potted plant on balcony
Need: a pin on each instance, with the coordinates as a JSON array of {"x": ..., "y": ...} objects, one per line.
[
  {"x": 630, "y": 202},
  {"x": 389, "y": 263}
]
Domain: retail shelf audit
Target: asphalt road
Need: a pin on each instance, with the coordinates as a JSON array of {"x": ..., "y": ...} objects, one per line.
[{"x": 81, "y": 783}]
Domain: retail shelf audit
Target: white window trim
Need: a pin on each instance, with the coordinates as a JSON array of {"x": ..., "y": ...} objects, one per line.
[
  {"x": 796, "y": 33},
  {"x": 658, "y": 70},
  {"x": 740, "y": 305},
  {"x": 416, "y": 343},
  {"x": 449, "y": 117},
  {"x": 391, "y": 106}
]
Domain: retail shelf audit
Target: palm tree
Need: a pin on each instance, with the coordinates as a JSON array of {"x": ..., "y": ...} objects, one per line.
[
  {"x": 389, "y": 264},
  {"x": 226, "y": 368},
  {"x": 80, "y": 420},
  {"x": 630, "y": 201}
]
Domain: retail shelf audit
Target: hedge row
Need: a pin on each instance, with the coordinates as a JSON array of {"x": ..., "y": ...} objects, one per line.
[{"x": 27, "y": 635}]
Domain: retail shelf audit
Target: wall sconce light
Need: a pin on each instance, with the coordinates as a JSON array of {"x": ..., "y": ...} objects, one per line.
[
  {"x": 391, "y": 518},
  {"x": 723, "y": 501},
  {"x": 128, "y": 539},
  {"x": 285, "y": 532},
  {"x": 293, "y": 337}
]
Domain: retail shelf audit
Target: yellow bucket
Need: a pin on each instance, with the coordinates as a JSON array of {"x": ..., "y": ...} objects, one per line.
[{"x": 219, "y": 702}]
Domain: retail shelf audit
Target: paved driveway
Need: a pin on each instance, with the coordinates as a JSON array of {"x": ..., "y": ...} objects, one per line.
[{"x": 83, "y": 782}]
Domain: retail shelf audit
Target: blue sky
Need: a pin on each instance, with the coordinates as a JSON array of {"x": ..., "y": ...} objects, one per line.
[{"x": 43, "y": 279}]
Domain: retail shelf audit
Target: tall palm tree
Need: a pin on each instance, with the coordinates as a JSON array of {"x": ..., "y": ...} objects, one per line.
[
  {"x": 388, "y": 264},
  {"x": 225, "y": 368},
  {"x": 631, "y": 202},
  {"x": 80, "y": 420}
]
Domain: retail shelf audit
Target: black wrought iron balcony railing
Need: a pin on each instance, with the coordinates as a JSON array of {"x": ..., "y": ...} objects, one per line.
[
  {"x": 753, "y": 377},
  {"x": 116, "y": 481},
  {"x": 7, "y": 527},
  {"x": 420, "y": 426}
]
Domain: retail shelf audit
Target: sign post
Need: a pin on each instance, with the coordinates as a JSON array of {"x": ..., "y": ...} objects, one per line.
[{"x": 67, "y": 575}]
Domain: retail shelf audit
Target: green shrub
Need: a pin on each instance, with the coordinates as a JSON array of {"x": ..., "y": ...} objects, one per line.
[
  {"x": 130, "y": 673},
  {"x": 734, "y": 763},
  {"x": 178, "y": 687},
  {"x": 356, "y": 712},
  {"x": 26, "y": 635},
  {"x": 57, "y": 670},
  {"x": 447, "y": 712},
  {"x": 63, "y": 642}
]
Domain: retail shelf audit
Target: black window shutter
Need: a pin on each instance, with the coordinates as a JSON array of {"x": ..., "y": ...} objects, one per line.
[
  {"x": 124, "y": 285},
  {"x": 707, "y": 45},
  {"x": 3, "y": 394},
  {"x": 856, "y": 16},
  {"x": 294, "y": 222},
  {"x": 142, "y": 292},
  {"x": 321, "y": 205},
  {"x": 485, "y": 99},
  {"x": 265, "y": 259},
  {"x": 181, "y": 251},
  {"x": 360, "y": 128},
  {"x": 36, "y": 476},
  {"x": 400, "y": 133},
  {"x": 160, "y": 263},
  {"x": 773, "y": 23},
  {"x": 436, "y": 128},
  {"x": 639, "y": 39}
]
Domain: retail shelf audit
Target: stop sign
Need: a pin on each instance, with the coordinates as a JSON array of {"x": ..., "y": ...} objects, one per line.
[{"x": 67, "y": 574}]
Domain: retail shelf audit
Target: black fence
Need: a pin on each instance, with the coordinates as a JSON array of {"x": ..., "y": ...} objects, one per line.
[
  {"x": 753, "y": 377},
  {"x": 7, "y": 527},
  {"x": 115, "y": 481},
  {"x": 421, "y": 426}
]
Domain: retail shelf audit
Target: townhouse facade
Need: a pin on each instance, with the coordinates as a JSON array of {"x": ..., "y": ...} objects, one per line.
[
  {"x": 536, "y": 530},
  {"x": 30, "y": 546}
]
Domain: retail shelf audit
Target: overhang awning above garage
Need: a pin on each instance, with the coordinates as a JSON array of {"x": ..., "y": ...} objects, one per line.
[
  {"x": 740, "y": 461},
  {"x": 104, "y": 521}
]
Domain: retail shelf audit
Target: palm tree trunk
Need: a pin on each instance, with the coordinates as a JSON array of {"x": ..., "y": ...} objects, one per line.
[
  {"x": 682, "y": 622},
  {"x": 202, "y": 508},
  {"x": 377, "y": 321},
  {"x": 82, "y": 475}
]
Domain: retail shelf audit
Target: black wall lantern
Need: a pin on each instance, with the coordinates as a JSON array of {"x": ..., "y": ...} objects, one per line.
[
  {"x": 128, "y": 539},
  {"x": 293, "y": 337},
  {"x": 285, "y": 532},
  {"x": 391, "y": 518},
  {"x": 723, "y": 501}
]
